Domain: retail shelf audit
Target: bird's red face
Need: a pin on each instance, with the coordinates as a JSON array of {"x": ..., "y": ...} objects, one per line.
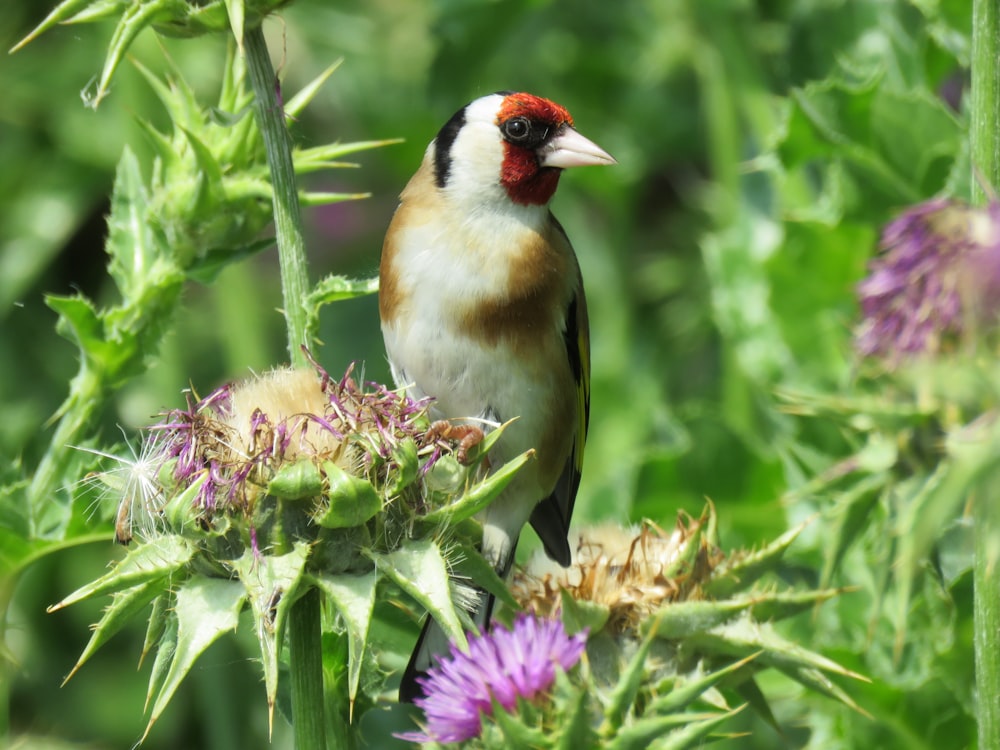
[
  {"x": 527, "y": 122},
  {"x": 507, "y": 149}
]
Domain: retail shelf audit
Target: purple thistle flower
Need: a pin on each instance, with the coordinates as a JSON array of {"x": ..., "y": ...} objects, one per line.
[
  {"x": 938, "y": 272},
  {"x": 501, "y": 667}
]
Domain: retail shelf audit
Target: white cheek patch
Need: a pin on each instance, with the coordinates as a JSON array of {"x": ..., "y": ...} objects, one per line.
[{"x": 477, "y": 155}]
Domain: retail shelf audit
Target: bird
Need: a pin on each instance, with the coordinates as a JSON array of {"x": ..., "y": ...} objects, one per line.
[{"x": 482, "y": 308}]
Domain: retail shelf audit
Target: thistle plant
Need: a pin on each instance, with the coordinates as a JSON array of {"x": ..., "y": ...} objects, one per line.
[
  {"x": 204, "y": 206},
  {"x": 218, "y": 177},
  {"x": 921, "y": 436},
  {"x": 182, "y": 18},
  {"x": 266, "y": 489},
  {"x": 667, "y": 625}
]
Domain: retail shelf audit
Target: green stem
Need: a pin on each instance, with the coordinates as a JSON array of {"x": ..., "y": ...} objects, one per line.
[
  {"x": 305, "y": 647},
  {"x": 304, "y": 633},
  {"x": 47, "y": 511},
  {"x": 987, "y": 618},
  {"x": 985, "y": 144},
  {"x": 985, "y": 125},
  {"x": 287, "y": 219}
]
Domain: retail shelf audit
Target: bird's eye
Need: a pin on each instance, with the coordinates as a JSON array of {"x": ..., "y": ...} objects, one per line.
[{"x": 516, "y": 129}]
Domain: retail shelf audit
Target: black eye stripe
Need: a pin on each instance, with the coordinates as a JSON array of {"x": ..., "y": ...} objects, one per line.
[{"x": 521, "y": 131}]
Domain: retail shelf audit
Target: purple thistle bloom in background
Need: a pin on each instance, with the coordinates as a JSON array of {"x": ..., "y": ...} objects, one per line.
[
  {"x": 502, "y": 666},
  {"x": 938, "y": 272}
]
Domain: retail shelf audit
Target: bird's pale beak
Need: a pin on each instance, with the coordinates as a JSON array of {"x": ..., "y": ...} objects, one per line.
[{"x": 570, "y": 149}]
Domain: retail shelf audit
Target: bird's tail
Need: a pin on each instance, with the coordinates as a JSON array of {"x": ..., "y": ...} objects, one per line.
[{"x": 433, "y": 645}]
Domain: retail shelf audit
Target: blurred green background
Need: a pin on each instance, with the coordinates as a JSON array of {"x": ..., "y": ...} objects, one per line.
[{"x": 760, "y": 147}]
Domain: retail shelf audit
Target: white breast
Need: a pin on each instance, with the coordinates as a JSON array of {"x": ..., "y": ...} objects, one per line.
[{"x": 449, "y": 266}]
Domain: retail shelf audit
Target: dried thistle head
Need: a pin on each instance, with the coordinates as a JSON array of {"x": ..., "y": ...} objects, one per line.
[
  {"x": 670, "y": 620},
  {"x": 631, "y": 572}
]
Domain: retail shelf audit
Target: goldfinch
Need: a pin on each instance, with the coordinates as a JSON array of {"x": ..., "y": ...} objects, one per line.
[{"x": 482, "y": 308}]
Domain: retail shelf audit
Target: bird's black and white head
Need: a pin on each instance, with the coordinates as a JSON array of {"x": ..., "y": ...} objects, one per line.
[{"x": 509, "y": 146}]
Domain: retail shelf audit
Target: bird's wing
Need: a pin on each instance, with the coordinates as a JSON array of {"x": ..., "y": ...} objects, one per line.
[{"x": 550, "y": 518}]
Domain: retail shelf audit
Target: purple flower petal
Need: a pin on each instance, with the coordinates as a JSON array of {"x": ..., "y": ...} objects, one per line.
[
  {"x": 502, "y": 667},
  {"x": 939, "y": 269}
]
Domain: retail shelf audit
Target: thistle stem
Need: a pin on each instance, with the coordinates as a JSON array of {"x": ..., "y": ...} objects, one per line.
[
  {"x": 305, "y": 649},
  {"x": 985, "y": 143},
  {"x": 287, "y": 218},
  {"x": 304, "y": 632},
  {"x": 47, "y": 510}
]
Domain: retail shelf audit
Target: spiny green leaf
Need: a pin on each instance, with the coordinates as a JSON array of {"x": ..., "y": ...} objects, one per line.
[
  {"x": 208, "y": 18},
  {"x": 351, "y": 500},
  {"x": 132, "y": 243},
  {"x": 162, "y": 145},
  {"x": 98, "y": 11},
  {"x": 177, "y": 511},
  {"x": 739, "y": 574},
  {"x": 420, "y": 570},
  {"x": 851, "y": 516},
  {"x": 622, "y": 697},
  {"x": 206, "y": 268},
  {"x": 167, "y": 94},
  {"x": 520, "y": 733},
  {"x": 325, "y": 199},
  {"x": 149, "y": 561},
  {"x": 816, "y": 680},
  {"x": 971, "y": 463},
  {"x": 209, "y": 190},
  {"x": 470, "y": 565},
  {"x": 744, "y": 637},
  {"x": 206, "y": 609},
  {"x": 57, "y": 15},
  {"x": 237, "y": 18},
  {"x": 229, "y": 118},
  {"x": 353, "y": 596},
  {"x": 165, "y": 649},
  {"x": 750, "y": 691},
  {"x": 135, "y": 18},
  {"x": 333, "y": 289},
  {"x": 641, "y": 734},
  {"x": 479, "y": 495},
  {"x": 333, "y": 151},
  {"x": 124, "y": 606},
  {"x": 692, "y": 735},
  {"x": 573, "y": 731},
  {"x": 271, "y": 583},
  {"x": 336, "y": 288},
  {"x": 683, "y": 619},
  {"x": 80, "y": 322},
  {"x": 232, "y": 91},
  {"x": 157, "y": 624},
  {"x": 779, "y": 605},
  {"x": 295, "y": 105},
  {"x": 688, "y": 688},
  {"x": 841, "y": 406}
]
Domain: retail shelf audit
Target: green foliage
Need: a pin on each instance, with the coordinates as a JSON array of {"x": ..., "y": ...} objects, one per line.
[{"x": 761, "y": 148}]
